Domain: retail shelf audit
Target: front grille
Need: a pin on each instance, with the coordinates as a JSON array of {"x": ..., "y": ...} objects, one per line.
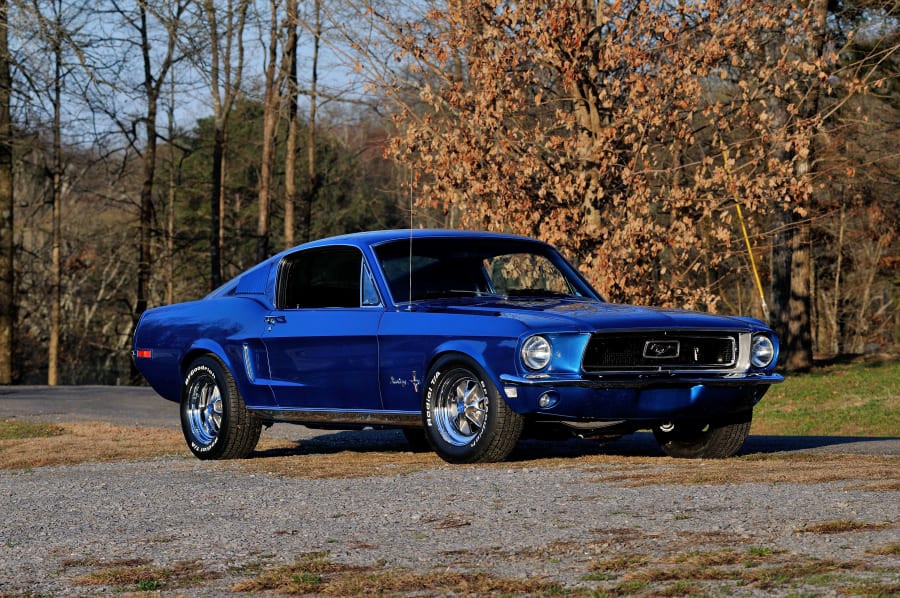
[{"x": 660, "y": 351}]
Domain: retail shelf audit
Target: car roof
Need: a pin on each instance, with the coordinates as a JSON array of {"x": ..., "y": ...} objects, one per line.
[{"x": 372, "y": 238}]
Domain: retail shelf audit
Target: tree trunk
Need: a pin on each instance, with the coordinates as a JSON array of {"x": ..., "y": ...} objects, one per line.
[
  {"x": 215, "y": 208},
  {"x": 798, "y": 341},
  {"x": 171, "y": 195},
  {"x": 7, "y": 245},
  {"x": 791, "y": 259},
  {"x": 312, "y": 177},
  {"x": 270, "y": 126},
  {"x": 225, "y": 84},
  {"x": 290, "y": 156},
  {"x": 55, "y": 265}
]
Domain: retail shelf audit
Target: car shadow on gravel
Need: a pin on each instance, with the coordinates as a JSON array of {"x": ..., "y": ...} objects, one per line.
[{"x": 640, "y": 444}]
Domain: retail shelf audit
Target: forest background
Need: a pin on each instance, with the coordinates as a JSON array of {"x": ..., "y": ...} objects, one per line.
[{"x": 150, "y": 150}]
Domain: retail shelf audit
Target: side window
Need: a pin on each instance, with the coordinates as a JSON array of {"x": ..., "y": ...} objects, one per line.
[
  {"x": 370, "y": 296},
  {"x": 322, "y": 277}
]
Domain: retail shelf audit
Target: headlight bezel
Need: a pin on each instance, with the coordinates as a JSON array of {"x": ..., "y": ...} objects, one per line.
[
  {"x": 762, "y": 351},
  {"x": 536, "y": 352}
]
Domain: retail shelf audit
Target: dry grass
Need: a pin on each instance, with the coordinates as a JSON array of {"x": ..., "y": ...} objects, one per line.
[
  {"x": 283, "y": 461},
  {"x": 30, "y": 444},
  {"x": 886, "y": 550},
  {"x": 139, "y": 575},
  {"x": 315, "y": 574},
  {"x": 37, "y": 445},
  {"x": 74, "y": 443},
  {"x": 841, "y": 526},
  {"x": 672, "y": 573},
  {"x": 794, "y": 468},
  {"x": 726, "y": 566},
  {"x": 873, "y": 472}
]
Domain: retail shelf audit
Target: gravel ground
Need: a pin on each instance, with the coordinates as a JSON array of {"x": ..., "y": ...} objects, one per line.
[{"x": 60, "y": 523}]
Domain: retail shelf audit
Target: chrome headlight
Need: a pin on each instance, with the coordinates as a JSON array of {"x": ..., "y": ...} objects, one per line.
[
  {"x": 762, "y": 351},
  {"x": 536, "y": 352}
]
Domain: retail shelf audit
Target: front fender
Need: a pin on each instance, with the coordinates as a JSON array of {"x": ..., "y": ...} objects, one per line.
[{"x": 497, "y": 358}]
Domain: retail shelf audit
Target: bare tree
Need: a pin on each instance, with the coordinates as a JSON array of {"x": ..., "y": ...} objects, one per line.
[
  {"x": 152, "y": 29},
  {"x": 292, "y": 92},
  {"x": 169, "y": 15},
  {"x": 226, "y": 63},
  {"x": 271, "y": 113},
  {"x": 7, "y": 244},
  {"x": 57, "y": 179},
  {"x": 57, "y": 27},
  {"x": 312, "y": 176}
]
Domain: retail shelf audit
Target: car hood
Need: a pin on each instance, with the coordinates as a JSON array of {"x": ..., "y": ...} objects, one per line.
[{"x": 587, "y": 315}]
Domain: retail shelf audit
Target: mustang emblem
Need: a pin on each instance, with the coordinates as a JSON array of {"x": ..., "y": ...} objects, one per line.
[
  {"x": 404, "y": 382},
  {"x": 662, "y": 349}
]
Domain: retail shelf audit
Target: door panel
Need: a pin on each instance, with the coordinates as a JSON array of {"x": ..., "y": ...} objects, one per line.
[
  {"x": 324, "y": 358},
  {"x": 322, "y": 338}
]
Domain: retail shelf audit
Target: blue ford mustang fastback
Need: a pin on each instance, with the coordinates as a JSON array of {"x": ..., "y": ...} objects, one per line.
[{"x": 463, "y": 340}]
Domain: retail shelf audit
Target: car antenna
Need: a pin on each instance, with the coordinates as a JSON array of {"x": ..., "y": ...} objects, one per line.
[{"x": 409, "y": 296}]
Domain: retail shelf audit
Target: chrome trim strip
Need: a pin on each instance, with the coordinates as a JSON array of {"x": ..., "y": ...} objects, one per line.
[
  {"x": 248, "y": 364},
  {"x": 743, "y": 356},
  {"x": 661, "y": 379},
  {"x": 350, "y": 416}
]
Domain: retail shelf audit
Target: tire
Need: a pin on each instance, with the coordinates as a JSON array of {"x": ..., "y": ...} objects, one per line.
[
  {"x": 215, "y": 422},
  {"x": 466, "y": 420},
  {"x": 693, "y": 440}
]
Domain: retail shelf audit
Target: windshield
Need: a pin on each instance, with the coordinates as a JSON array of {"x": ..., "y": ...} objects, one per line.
[{"x": 466, "y": 267}]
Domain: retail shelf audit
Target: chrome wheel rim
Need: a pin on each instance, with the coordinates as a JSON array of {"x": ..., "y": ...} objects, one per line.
[
  {"x": 205, "y": 410},
  {"x": 461, "y": 410}
]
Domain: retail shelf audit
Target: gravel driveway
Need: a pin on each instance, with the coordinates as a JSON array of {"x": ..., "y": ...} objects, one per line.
[{"x": 196, "y": 528}]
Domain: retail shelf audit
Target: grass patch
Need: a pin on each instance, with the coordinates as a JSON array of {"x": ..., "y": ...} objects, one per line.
[
  {"x": 887, "y": 550},
  {"x": 139, "y": 575},
  {"x": 315, "y": 573},
  {"x": 13, "y": 429},
  {"x": 727, "y": 570},
  {"x": 861, "y": 398},
  {"x": 841, "y": 526},
  {"x": 874, "y": 590}
]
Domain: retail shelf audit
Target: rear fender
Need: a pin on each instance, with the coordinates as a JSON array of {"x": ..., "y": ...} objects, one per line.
[{"x": 254, "y": 395}]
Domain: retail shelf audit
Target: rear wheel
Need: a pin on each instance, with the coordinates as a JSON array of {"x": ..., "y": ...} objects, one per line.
[
  {"x": 700, "y": 440},
  {"x": 466, "y": 420},
  {"x": 215, "y": 422}
]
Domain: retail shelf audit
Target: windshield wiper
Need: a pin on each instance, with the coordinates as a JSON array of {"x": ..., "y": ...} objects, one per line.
[
  {"x": 450, "y": 293},
  {"x": 536, "y": 293}
]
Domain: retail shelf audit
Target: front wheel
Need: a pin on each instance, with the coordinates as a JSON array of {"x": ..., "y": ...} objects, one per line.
[
  {"x": 466, "y": 420},
  {"x": 700, "y": 440},
  {"x": 215, "y": 422}
]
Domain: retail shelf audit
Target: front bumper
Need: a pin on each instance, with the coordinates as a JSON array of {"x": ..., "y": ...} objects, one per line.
[{"x": 639, "y": 397}]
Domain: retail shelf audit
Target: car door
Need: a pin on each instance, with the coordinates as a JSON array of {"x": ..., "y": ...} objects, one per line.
[{"x": 321, "y": 339}]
